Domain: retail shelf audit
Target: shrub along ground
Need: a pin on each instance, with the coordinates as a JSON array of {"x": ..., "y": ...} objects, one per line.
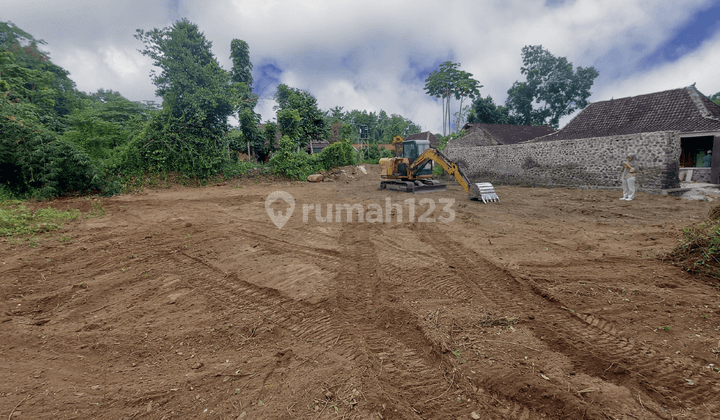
[{"x": 698, "y": 251}]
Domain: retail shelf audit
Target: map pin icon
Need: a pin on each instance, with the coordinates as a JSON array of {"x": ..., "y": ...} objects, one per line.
[{"x": 279, "y": 218}]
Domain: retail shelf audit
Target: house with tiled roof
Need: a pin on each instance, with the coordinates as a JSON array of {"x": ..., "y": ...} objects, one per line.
[
  {"x": 695, "y": 117},
  {"x": 497, "y": 134},
  {"x": 669, "y": 132}
]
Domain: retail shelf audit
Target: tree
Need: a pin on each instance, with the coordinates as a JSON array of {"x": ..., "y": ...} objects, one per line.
[
  {"x": 484, "y": 110},
  {"x": 397, "y": 125},
  {"x": 716, "y": 98},
  {"x": 241, "y": 77},
  {"x": 551, "y": 84},
  {"x": 381, "y": 127},
  {"x": 192, "y": 83},
  {"x": 32, "y": 158},
  {"x": 295, "y": 103},
  {"x": 269, "y": 135},
  {"x": 189, "y": 135},
  {"x": 448, "y": 82},
  {"x": 27, "y": 54},
  {"x": 105, "y": 122},
  {"x": 242, "y": 67}
]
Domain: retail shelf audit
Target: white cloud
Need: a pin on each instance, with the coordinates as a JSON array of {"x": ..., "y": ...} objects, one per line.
[
  {"x": 699, "y": 66},
  {"x": 365, "y": 55}
]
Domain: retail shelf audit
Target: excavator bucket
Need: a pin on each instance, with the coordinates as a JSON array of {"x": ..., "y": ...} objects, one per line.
[{"x": 483, "y": 191}]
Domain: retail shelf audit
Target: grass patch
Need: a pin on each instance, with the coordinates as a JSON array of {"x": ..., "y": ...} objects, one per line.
[
  {"x": 698, "y": 251},
  {"x": 166, "y": 180},
  {"x": 17, "y": 220},
  {"x": 97, "y": 210}
]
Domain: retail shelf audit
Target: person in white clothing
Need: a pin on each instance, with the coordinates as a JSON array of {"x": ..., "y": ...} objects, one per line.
[{"x": 628, "y": 179}]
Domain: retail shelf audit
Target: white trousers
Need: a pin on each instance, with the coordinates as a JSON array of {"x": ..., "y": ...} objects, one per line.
[{"x": 628, "y": 185}]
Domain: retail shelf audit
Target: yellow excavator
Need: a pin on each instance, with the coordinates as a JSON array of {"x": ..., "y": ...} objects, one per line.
[{"x": 412, "y": 172}]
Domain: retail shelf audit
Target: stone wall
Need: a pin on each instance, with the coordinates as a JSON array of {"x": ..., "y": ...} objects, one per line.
[
  {"x": 695, "y": 174},
  {"x": 582, "y": 163}
]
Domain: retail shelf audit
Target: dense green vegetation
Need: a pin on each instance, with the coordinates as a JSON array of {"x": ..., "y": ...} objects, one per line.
[
  {"x": 298, "y": 164},
  {"x": 379, "y": 127},
  {"x": 56, "y": 140}
]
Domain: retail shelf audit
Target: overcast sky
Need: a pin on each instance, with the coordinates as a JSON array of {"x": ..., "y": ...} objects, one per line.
[{"x": 376, "y": 54}]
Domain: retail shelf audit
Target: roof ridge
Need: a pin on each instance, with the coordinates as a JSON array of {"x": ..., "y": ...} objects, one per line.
[
  {"x": 695, "y": 95},
  {"x": 637, "y": 96}
]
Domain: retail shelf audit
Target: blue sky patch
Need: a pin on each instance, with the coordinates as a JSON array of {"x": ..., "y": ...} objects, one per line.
[
  {"x": 266, "y": 77},
  {"x": 688, "y": 38}
]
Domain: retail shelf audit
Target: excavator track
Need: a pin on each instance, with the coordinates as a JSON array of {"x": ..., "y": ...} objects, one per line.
[{"x": 416, "y": 187}]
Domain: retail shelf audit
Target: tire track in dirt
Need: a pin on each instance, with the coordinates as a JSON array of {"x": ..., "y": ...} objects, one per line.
[
  {"x": 408, "y": 270},
  {"x": 588, "y": 340},
  {"x": 405, "y": 365},
  {"x": 408, "y": 365},
  {"x": 408, "y": 372},
  {"x": 483, "y": 282}
]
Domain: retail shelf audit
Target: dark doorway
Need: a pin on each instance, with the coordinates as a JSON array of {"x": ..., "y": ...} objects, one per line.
[{"x": 693, "y": 150}]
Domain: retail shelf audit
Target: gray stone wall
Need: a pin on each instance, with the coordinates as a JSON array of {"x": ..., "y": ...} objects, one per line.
[
  {"x": 698, "y": 174},
  {"x": 582, "y": 163}
]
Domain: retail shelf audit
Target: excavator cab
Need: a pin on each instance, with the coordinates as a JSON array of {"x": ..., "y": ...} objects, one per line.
[{"x": 414, "y": 148}]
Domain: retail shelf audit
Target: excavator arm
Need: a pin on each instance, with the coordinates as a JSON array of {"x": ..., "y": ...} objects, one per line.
[
  {"x": 448, "y": 165},
  {"x": 480, "y": 191}
]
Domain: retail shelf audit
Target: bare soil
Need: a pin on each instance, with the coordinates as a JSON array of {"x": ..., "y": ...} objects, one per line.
[{"x": 190, "y": 303}]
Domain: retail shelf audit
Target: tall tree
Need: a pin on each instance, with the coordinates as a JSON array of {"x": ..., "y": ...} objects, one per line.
[
  {"x": 241, "y": 76},
  {"x": 449, "y": 82},
  {"x": 552, "y": 85},
  {"x": 295, "y": 103},
  {"x": 189, "y": 135},
  {"x": 242, "y": 67}
]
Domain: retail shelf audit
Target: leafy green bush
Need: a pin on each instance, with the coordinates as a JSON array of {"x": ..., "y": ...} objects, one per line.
[
  {"x": 292, "y": 163},
  {"x": 170, "y": 144},
  {"x": 34, "y": 162},
  {"x": 298, "y": 165},
  {"x": 340, "y": 153}
]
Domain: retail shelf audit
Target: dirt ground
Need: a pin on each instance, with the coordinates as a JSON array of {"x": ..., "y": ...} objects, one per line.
[{"x": 190, "y": 303}]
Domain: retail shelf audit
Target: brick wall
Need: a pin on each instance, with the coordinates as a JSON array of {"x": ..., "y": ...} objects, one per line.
[{"x": 583, "y": 163}]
